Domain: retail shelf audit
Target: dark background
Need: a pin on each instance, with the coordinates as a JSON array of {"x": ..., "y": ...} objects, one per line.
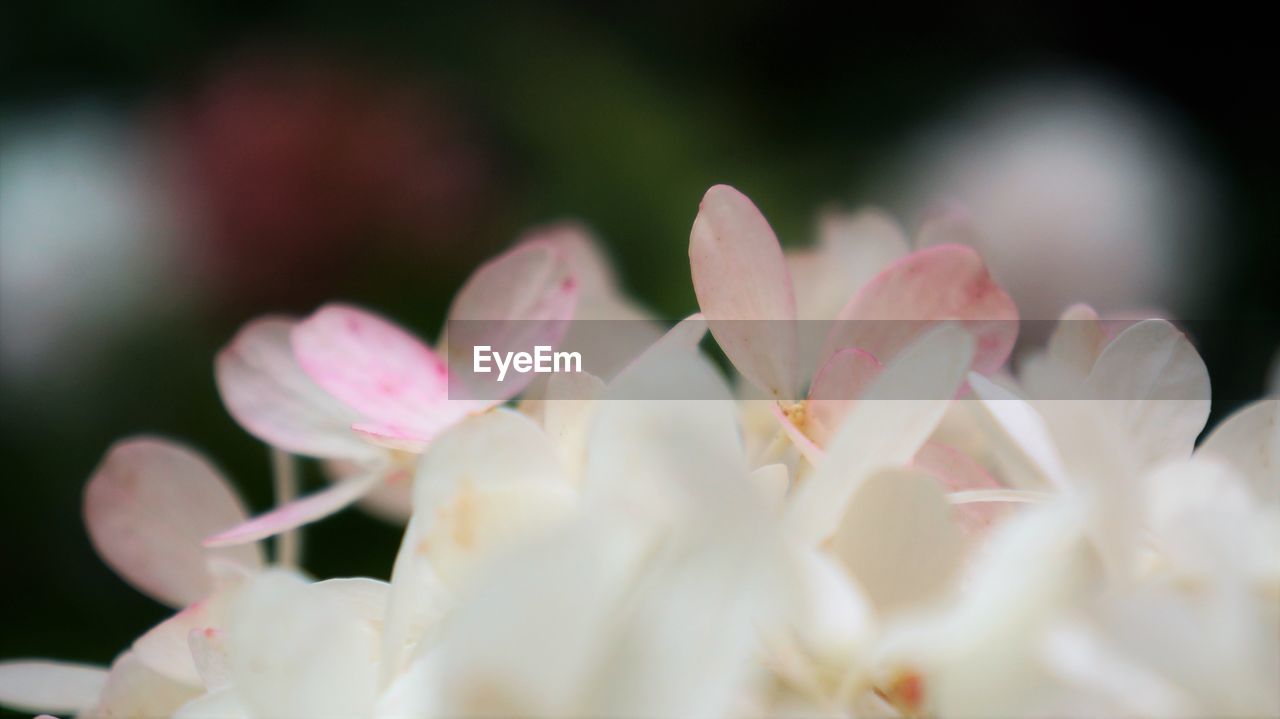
[{"x": 620, "y": 115}]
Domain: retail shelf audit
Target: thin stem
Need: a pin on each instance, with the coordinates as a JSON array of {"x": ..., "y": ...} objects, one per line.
[
  {"x": 973, "y": 496},
  {"x": 284, "y": 473}
]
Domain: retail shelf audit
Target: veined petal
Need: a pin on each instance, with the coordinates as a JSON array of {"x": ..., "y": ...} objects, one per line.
[
  {"x": 885, "y": 428},
  {"x": 744, "y": 288},
  {"x": 947, "y": 282},
  {"x": 266, "y": 391},
  {"x": 297, "y": 513},
  {"x": 37, "y": 685},
  {"x": 520, "y": 299},
  {"x": 1152, "y": 380},
  {"x": 149, "y": 505},
  {"x": 377, "y": 369}
]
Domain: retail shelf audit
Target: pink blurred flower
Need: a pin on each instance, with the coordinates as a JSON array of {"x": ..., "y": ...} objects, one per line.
[{"x": 293, "y": 164}]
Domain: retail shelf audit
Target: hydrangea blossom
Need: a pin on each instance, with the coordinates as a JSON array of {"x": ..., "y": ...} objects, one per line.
[{"x": 909, "y": 528}]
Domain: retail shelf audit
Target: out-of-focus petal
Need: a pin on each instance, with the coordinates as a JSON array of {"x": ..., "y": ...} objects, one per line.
[
  {"x": 36, "y": 685},
  {"x": 1078, "y": 339},
  {"x": 299, "y": 512},
  {"x": 1152, "y": 380},
  {"x": 885, "y": 428},
  {"x": 835, "y": 388},
  {"x": 166, "y": 647},
  {"x": 496, "y": 478},
  {"x": 490, "y": 481},
  {"x": 1021, "y": 435},
  {"x": 220, "y": 704},
  {"x": 520, "y": 299},
  {"x": 772, "y": 482},
  {"x": 947, "y": 282},
  {"x": 657, "y": 456},
  {"x": 584, "y": 259},
  {"x": 852, "y": 248},
  {"x": 298, "y": 650},
  {"x": 149, "y": 505},
  {"x": 134, "y": 690},
  {"x": 378, "y": 369},
  {"x": 266, "y": 391},
  {"x": 744, "y": 289},
  {"x": 899, "y": 540},
  {"x": 1249, "y": 440},
  {"x": 566, "y": 413}
]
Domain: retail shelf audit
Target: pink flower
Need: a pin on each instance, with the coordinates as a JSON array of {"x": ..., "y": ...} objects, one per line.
[
  {"x": 747, "y": 293},
  {"x": 349, "y": 386}
]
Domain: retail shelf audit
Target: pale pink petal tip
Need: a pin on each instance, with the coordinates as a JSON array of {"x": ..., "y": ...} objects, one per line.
[{"x": 744, "y": 289}]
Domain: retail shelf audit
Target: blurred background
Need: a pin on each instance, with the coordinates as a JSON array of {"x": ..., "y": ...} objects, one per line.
[{"x": 168, "y": 171}]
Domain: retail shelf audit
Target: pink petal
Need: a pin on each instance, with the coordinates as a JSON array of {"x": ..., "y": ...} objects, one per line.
[
  {"x": 292, "y": 515},
  {"x": 49, "y": 686},
  {"x": 377, "y": 369},
  {"x": 523, "y": 298},
  {"x": 147, "y": 508},
  {"x": 958, "y": 472},
  {"x": 266, "y": 391},
  {"x": 947, "y": 282},
  {"x": 840, "y": 381},
  {"x": 744, "y": 288}
]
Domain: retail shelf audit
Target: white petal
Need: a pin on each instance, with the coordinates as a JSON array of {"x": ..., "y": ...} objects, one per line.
[
  {"x": 1153, "y": 381},
  {"x": 133, "y": 690},
  {"x": 1250, "y": 440},
  {"x": 899, "y": 540},
  {"x": 658, "y": 455},
  {"x": 772, "y": 482},
  {"x": 215, "y": 705},
  {"x": 166, "y": 647},
  {"x": 48, "y": 686},
  {"x": 300, "y": 651},
  {"x": 1020, "y": 429}
]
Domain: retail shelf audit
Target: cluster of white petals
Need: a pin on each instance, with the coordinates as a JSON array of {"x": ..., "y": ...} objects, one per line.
[{"x": 889, "y": 522}]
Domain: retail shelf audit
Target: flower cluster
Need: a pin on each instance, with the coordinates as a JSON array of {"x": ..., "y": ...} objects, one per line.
[{"x": 887, "y": 522}]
